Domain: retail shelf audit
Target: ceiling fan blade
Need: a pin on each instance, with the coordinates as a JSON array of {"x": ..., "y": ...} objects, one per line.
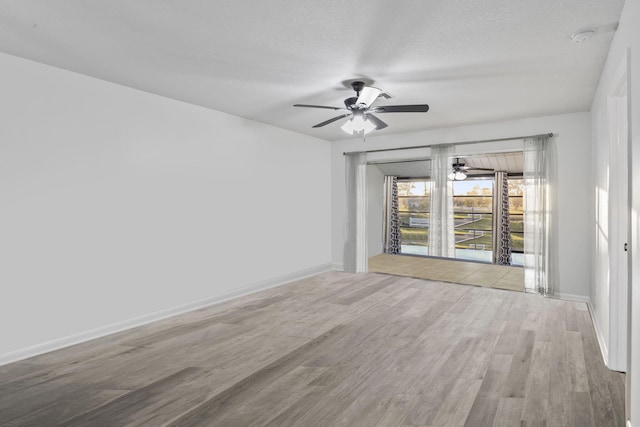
[
  {"x": 319, "y": 125},
  {"x": 376, "y": 121},
  {"x": 368, "y": 96},
  {"x": 318, "y": 106},
  {"x": 479, "y": 169},
  {"x": 420, "y": 108}
]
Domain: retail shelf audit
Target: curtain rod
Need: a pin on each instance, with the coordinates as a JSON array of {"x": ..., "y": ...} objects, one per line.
[{"x": 550, "y": 134}]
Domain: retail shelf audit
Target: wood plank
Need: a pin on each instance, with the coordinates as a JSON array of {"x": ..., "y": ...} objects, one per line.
[
  {"x": 581, "y": 410},
  {"x": 485, "y": 406},
  {"x": 606, "y": 387},
  {"x": 213, "y": 408},
  {"x": 538, "y": 383},
  {"x": 56, "y": 414},
  {"x": 268, "y": 403},
  {"x": 455, "y": 409},
  {"x": 334, "y": 349},
  {"x": 121, "y": 409},
  {"x": 520, "y": 364},
  {"x": 509, "y": 412}
]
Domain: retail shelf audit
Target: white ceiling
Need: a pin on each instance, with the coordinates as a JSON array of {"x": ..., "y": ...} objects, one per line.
[
  {"x": 405, "y": 169},
  {"x": 506, "y": 162},
  {"x": 471, "y": 61}
]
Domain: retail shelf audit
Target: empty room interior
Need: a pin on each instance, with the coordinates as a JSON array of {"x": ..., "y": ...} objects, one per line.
[{"x": 320, "y": 213}]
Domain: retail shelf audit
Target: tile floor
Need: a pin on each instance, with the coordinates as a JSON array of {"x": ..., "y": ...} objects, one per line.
[{"x": 467, "y": 273}]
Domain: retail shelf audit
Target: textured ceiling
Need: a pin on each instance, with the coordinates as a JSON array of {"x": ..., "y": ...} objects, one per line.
[{"x": 471, "y": 61}]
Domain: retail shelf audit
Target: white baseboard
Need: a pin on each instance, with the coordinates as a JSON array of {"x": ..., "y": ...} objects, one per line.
[
  {"x": 572, "y": 297},
  {"x": 601, "y": 342},
  {"x": 67, "y": 341},
  {"x": 337, "y": 266}
]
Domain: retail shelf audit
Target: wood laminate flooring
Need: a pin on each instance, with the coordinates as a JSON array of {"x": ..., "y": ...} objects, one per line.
[
  {"x": 455, "y": 271},
  {"x": 336, "y": 349}
]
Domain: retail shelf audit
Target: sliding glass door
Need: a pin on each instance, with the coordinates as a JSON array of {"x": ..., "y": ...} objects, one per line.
[
  {"x": 472, "y": 211},
  {"x": 473, "y": 217},
  {"x": 516, "y": 220},
  {"x": 413, "y": 212}
]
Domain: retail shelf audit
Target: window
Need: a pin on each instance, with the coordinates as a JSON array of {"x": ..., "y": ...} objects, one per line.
[
  {"x": 473, "y": 217},
  {"x": 472, "y": 210},
  {"x": 516, "y": 219},
  {"x": 413, "y": 213}
]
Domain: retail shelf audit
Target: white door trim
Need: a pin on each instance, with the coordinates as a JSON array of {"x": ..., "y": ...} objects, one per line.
[{"x": 619, "y": 218}]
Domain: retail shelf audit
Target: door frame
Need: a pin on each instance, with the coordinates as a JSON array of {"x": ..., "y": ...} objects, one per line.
[{"x": 619, "y": 219}]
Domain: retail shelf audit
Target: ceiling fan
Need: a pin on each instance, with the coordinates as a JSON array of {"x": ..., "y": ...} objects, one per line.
[
  {"x": 360, "y": 110},
  {"x": 460, "y": 169}
]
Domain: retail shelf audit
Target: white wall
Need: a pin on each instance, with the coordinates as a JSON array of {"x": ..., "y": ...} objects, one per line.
[
  {"x": 375, "y": 209},
  {"x": 571, "y": 147},
  {"x": 119, "y": 205},
  {"x": 627, "y": 37}
]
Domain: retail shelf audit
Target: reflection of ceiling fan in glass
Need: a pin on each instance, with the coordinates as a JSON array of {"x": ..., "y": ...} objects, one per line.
[{"x": 460, "y": 169}]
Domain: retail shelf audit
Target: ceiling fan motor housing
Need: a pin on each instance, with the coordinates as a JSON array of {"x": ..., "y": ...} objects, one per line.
[
  {"x": 457, "y": 165},
  {"x": 357, "y": 86},
  {"x": 350, "y": 102}
]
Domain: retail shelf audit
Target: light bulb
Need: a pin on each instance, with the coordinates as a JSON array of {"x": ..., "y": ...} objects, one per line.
[
  {"x": 358, "y": 124},
  {"x": 367, "y": 126},
  {"x": 460, "y": 176},
  {"x": 348, "y": 127}
]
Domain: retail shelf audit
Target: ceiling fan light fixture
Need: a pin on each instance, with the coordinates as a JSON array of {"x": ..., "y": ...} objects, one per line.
[
  {"x": 457, "y": 175},
  {"x": 460, "y": 176},
  {"x": 359, "y": 110},
  {"x": 358, "y": 124},
  {"x": 348, "y": 126}
]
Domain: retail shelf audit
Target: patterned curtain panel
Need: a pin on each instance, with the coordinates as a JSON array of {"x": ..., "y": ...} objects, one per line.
[
  {"x": 392, "y": 220},
  {"x": 502, "y": 232}
]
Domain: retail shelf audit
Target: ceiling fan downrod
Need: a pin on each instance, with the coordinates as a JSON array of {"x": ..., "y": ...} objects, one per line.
[{"x": 357, "y": 86}]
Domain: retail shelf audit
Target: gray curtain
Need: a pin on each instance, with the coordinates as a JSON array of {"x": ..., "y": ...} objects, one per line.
[
  {"x": 355, "y": 251},
  {"x": 501, "y": 229},
  {"x": 392, "y": 219}
]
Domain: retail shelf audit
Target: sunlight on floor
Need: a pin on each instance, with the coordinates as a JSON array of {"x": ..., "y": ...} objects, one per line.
[
  {"x": 517, "y": 259},
  {"x": 468, "y": 273}
]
